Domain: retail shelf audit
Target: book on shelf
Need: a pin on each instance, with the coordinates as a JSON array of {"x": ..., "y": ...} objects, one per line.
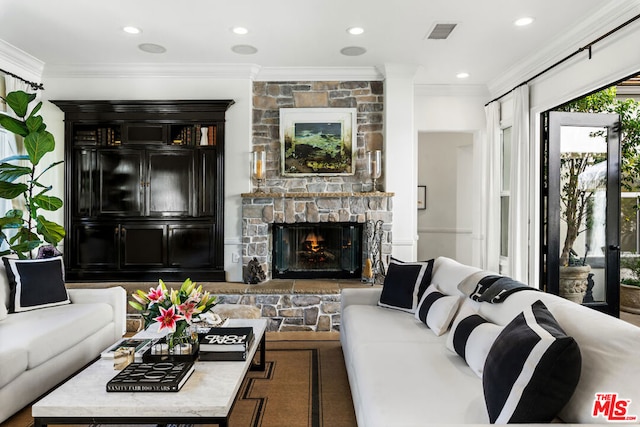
[
  {"x": 140, "y": 346},
  {"x": 226, "y": 339},
  {"x": 152, "y": 377}
]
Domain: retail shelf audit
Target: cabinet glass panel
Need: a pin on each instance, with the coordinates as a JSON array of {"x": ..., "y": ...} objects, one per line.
[
  {"x": 120, "y": 182},
  {"x": 208, "y": 175},
  {"x": 84, "y": 181},
  {"x": 170, "y": 183}
]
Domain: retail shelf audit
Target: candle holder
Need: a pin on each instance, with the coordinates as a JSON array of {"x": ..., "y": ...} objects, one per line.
[
  {"x": 374, "y": 167},
  {"x": 258, "y": 168}
]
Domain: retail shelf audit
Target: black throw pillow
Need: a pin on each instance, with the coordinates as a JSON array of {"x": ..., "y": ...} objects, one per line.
[
  {"x": 531, "y": 370},
  {"x": 35, "y": 283},
  {"x": 404, "y": 284}
]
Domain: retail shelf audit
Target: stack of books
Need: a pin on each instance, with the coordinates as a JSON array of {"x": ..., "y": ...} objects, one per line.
[{"x": 225, "y": 343}]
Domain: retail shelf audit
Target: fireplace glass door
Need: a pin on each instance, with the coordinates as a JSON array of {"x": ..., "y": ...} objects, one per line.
[{"x": 322, "y": 250}]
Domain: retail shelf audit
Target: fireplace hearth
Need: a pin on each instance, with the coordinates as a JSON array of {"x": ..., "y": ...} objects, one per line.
[{"x": 317, "y": 250}]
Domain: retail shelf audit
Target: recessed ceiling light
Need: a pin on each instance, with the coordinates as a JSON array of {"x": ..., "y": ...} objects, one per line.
[
  {"x": 244, "y": 49},
  {"x": 132, "y": 30},
  {"x": 524, "y": 21},
  {"x": 152, "y": 48},
  {"x": 240, "y": 30},
  {"x": 353, "y": 51},
  {"x": 356, "y": 31},
  {"x": 462, "y": 75}
]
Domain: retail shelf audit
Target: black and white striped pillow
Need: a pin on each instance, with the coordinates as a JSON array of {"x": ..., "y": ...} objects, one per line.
[
  {"x": 532, "y": 369},
  {"x": 436, "y": 310},
  {"x": 472, "y": 336}
]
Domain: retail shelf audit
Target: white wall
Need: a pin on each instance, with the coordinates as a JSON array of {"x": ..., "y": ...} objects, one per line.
[
  {"x": 237, "y": 132},
  {"x": 445, "y": 226},
  {"x": 450, "y": 121}
]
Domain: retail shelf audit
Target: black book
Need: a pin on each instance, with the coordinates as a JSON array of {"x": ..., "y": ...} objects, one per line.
[
  {"x": 224, "y": 339},
  {"x": 158, "y": 376},
  {"x": 222, "y": 356}
]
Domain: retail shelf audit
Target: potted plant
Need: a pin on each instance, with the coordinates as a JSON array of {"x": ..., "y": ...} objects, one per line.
[
  {"x": 22, "y": 231},
  {"x": 630, "y": 284}
]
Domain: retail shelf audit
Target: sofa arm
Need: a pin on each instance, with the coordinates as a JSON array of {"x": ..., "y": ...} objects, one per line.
[
  {"x": 115, "y": 296},
  {"x": 360, "y": 296}
]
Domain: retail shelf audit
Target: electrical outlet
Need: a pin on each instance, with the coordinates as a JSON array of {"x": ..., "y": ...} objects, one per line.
[{"x": 235, "y": 257}]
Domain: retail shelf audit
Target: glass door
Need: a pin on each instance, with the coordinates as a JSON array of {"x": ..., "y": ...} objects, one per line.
[{"x": 582, "y": 243}]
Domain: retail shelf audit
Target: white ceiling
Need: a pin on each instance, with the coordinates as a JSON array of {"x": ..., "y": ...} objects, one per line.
[{"x": 87, "y": 34}]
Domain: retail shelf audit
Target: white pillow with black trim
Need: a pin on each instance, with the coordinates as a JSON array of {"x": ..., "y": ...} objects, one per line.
[
  {"x": 403, "y": 284},
  {"x": 436, "y": 310},
  {"x": 35, "y": 283},
  {"x": 532, "y": 369},
  {"x": 472, "y": 336}
]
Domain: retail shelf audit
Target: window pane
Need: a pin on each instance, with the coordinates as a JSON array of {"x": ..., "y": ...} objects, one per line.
[
  {"x": 504, "y": 226},
  {"x": 506, "y": 159},
  {"x": 628, "y": 224}
]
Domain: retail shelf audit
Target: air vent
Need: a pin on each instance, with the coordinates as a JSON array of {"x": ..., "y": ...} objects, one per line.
[{"x": 441, "y": 31}]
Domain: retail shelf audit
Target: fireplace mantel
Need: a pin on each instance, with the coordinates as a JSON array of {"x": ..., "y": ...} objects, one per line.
[{"x": 295, "y": 195}]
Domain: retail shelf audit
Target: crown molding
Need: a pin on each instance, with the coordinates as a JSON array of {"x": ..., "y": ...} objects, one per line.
[
  {"x": 148, "y": 70},
  {"x": 318, "y": 74},
  {"x": 612, "y": 14},
  {"x": 478, "y": 91},
  {"x": 20, "y": 63}
]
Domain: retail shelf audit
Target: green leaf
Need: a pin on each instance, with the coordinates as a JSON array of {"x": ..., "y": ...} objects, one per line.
[
  {"x": 48, "y": 203},
  {"x": 13, "y": 125},
  {"x": 19, "y": 101},
  {"x": 16, "y": 157},
  {"x": 10, "y": 173},
  {"x": 10, "y": 222},
  {"x": 35, "y": 124},
  {"x": 52, "y": 232},
  {"x": 10, "y": 190},
  {"x": 38, "y": 144}
]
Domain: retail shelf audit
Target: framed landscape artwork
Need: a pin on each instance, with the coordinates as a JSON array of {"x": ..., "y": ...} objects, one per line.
[{"x": 318, "y": 141}]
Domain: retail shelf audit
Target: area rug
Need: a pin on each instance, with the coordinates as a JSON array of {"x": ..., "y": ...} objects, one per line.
[{"x": 304, "y": 384}]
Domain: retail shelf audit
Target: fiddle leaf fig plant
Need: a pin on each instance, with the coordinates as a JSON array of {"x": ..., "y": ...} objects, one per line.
[{"x": 24, "y": 231}]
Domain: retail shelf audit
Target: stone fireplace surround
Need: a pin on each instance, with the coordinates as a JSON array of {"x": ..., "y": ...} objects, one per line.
[{"x": 261, "y": 210}]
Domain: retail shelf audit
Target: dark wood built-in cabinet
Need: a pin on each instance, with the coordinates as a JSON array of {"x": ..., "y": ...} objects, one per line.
[{"x": 144, "y": 189}]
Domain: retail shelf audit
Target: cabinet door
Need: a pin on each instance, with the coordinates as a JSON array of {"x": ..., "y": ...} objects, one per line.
[
  {"x": 207, "y": 175},
  {"x": 120, "y": 182},
  {"x": 170, "y": 183},
  {"x": 143, "y": 245},
  {"x": 191, "y": 245},
  {"x": 84, "y": 182},
  {"x": 95, "y": 246}
]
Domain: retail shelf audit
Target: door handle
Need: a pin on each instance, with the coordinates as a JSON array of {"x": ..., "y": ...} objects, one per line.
[{"x": 614, "y": 247}]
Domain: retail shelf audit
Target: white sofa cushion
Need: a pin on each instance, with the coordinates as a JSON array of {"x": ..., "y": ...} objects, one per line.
[
  {"x": 448, "y": 273},
  {"x": 531, "y": 370},
  {"x": 50, "y": 331},
  {"x": 436, "y": 310},
  {"x": 13, "y": 362}
]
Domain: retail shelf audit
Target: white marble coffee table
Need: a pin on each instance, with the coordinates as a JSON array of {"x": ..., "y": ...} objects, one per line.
[{"x": 206, "y": 398}]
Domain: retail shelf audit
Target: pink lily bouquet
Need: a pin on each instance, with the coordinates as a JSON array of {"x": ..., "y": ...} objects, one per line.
[{"x": 173, "y": 310}]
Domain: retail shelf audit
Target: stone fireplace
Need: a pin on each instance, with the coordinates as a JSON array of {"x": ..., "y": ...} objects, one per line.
[
  {"x": 314, "y": 199},
  {"x": 261, "y": 212}
]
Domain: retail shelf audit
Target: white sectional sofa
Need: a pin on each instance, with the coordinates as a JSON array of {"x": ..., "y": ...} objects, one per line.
[
  {"x": 402, "y": 374},
  {"x": 42, "y": 347}
]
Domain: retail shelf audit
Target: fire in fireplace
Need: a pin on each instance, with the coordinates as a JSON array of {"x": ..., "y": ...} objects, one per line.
[{"x": 317, "y": 250}]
